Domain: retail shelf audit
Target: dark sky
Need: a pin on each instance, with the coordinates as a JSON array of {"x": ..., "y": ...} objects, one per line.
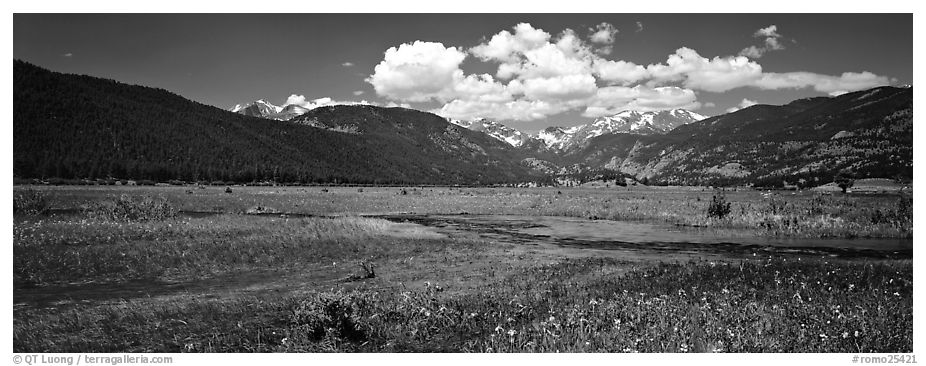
[{"x": 224, "y": 59}]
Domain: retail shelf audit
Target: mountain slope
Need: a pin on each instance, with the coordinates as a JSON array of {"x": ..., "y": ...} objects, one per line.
[
  {"x": 869, "y": 133},
  {"x": 73, "y": 126}
]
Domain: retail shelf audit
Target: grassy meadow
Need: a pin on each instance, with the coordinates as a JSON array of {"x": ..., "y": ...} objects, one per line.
[{"x": 124, "y": 269}]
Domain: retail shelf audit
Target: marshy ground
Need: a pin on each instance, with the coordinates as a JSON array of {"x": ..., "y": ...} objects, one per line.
[{"x": 307, "y": 269}]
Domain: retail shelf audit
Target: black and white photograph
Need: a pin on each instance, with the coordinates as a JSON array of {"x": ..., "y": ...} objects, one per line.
[{"x": 585, "y": 182}]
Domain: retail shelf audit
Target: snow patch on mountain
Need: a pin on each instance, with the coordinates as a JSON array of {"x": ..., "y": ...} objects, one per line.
[
  {"x": 641, "y": 123},
  {"x": 497, "y": 130}
]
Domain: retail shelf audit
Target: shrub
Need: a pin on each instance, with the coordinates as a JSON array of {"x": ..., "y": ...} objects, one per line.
[
  {"x": 719, "y": 207},
  {"x": 330, "y": 316},
  {"x": 128, "y": 208},
  {"x": 30, "y": 202}
]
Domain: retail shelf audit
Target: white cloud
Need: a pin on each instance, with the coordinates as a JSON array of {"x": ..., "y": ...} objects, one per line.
[
  {"x": 519, "y": 110},
  {"x": 614, "y": 99},
  {"x": 480, "y": 87},
  {"x": 68, "y": 54},
  {"x": 771, "y": 42},
  {"x": 504, "y": 46},
  {"x": 639, "y": 27},
  {"x": 358, "y": 92},
  {"x": 548, "y": 61},
  {"x": 301, "y": 101},
  {"x": 602, "y": 33},
  {"x": 715, "y": 75},
  {"x": 745, "y": 103},
  {"x": 621, "y": 72},
  {"x": 539, "y": 75},
  {"x": 770, "y": 31},
  {"x": 847, "y": 82},
  {"x": 347, "y": 64},
  {"x": 560, "y": 88},
  {"x": 417, "y": 71},
  {"x": 752, "y": 52},
  {"x": 401, "y": 105}
]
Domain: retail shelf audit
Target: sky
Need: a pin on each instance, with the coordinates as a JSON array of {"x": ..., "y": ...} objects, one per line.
[{"x": 529, "y": 71}]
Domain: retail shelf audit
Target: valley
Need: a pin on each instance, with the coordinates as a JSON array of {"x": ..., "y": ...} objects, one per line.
[{"x": 297, "y": 269}]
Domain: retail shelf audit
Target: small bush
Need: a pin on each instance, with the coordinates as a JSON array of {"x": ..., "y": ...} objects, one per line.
[
  {"x": 30, "y": 202},
  {"x": 128, "y": 208},
  {"x": 330, "y": 316},
  {"x": 719, "y": 207}
]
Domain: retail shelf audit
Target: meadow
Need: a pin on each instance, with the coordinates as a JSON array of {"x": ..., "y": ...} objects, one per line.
[
  {"x": 131, "y": 269},
  {"x": 805, "y": 213}
]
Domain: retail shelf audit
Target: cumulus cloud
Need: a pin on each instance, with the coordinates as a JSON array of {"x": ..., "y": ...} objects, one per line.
[
  {"x": 358, "y": 92},
  {"x": 848, "y": 81},
  {"x": 714, "y": 75},
  {"x": 560, "y": 88},
  {"x": 771, "y": 43},
  {"x": 417, "y": 71},
  {"x": 770, "y": 31},
  {"x": 539, "y": 74},
  {"x": 743, "y": 104},
  {"x": 505, "y": 46},
  {"x": 518, "y": 110},
  {"x": 602, "y": 33},
  {"x": 621, "y": 72},
  {"x": 347, "y": 64},
  {"x": 68, "y": 54}
]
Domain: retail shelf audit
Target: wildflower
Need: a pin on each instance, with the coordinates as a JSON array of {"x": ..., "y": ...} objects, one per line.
[
  {"x": 512, "y": 332},
  {"x": 499, "y": 329},
  {"x": 856, "y": 334},
  {"x": 845, "y": 335}
]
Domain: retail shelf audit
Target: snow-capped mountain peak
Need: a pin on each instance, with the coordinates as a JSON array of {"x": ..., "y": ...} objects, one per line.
[
  {"x": 629, "y": 121},
  {"x": 497, "y": 130},
  {"x": 264, "y": 109}
]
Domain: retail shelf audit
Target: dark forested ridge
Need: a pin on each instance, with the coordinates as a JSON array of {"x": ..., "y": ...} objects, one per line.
[{"x": 73, "y": 126}]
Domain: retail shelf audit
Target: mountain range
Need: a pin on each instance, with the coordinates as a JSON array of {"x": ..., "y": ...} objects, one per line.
[
  {"x": 639, "y": 123},
  {"x": 73, "y": 126},
  {"x": 555, "y": 138}
]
